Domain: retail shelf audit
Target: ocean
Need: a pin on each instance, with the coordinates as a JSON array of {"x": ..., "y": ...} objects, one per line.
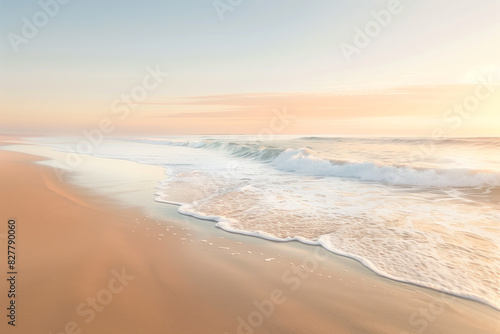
[{"x": 416, "y": 210}]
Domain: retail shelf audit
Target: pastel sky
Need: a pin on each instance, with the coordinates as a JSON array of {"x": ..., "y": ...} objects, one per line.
[{"x": 232, "y": 63}]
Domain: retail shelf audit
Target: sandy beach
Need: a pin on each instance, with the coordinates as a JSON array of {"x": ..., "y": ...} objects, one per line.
[
  {"x": 250, "y": 167},
  {"x": 88, "y": 264}
]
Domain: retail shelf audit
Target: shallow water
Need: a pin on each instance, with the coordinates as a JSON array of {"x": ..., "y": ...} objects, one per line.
[{"x": 416, "y": 210}]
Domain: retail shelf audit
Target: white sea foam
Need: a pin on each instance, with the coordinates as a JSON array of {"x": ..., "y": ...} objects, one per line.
[
  {"x": 432, "y": 222},
  {"x": 431, "y": 232}
]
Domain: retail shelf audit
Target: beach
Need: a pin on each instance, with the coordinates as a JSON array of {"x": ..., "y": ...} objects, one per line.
[
  {"x": 87, "y": 263},
  {"x": 250, "y": 167}
]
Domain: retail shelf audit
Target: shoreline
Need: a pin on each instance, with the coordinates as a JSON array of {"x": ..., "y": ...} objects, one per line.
[
  {"x": 360, "y": 260},
  {"x": 217, "y": 298}
]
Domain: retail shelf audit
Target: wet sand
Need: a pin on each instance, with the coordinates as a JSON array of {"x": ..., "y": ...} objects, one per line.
[{"x": 92, "y": 265}]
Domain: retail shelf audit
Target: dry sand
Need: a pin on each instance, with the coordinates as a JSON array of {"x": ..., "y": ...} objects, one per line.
[{"x": 73, "y": 244}]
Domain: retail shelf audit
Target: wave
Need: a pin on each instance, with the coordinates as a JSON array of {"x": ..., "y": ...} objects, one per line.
[
  {"x": 305, "y": 161},
  {"x": 474, "y": 141}
]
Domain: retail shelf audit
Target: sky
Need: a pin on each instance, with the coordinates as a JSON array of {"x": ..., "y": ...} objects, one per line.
[{"x": 365, "y": 67}]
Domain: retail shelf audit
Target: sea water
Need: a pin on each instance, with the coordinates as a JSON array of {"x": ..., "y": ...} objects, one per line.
[{"x": 416, "y": 210}]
